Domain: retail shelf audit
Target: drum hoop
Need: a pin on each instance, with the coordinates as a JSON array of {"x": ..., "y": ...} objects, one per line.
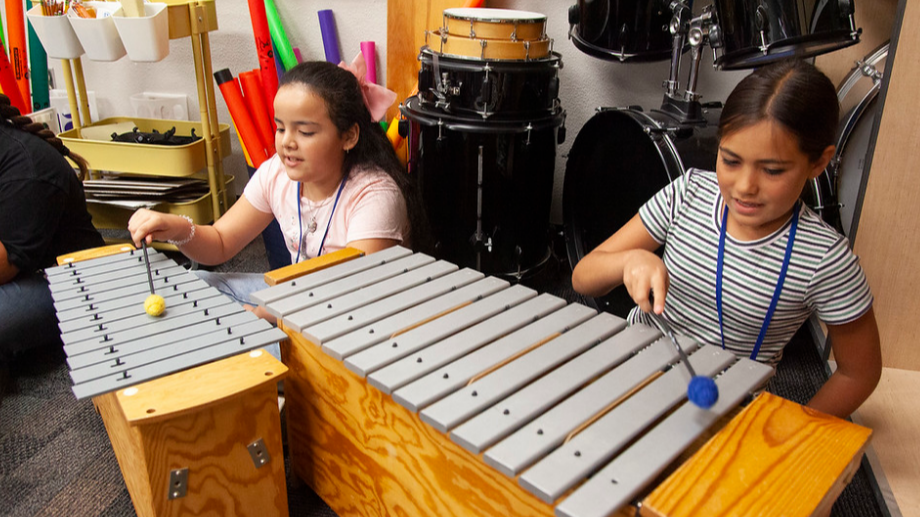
[
  {"x": 741, "y": 59},
  {"x": 466, "y": 64},
  {"x": 456, "y": 123},
  {"x": 607, "y": 54},
  {"x": 504, "y": 44},
  {"x": 524, "y": 16},
  {"x": 856, "y": 75},
  {"x": 856, "y": 113}
]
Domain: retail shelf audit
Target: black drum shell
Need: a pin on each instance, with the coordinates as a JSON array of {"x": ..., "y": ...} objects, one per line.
[
  {"x": 517, "y": 185},
  {"x": 486, "y": 89},
  {"x": 618, "y": 30},
  {"x": 618, "y": 161},
  {"x": 793, "y": 28}
]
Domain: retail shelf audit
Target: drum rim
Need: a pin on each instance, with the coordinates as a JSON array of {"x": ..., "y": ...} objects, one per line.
[
  {"x": 752, "y": 57},
  {"x": 575, "y": 246},
  {"x": 500, "y": 65},
  {"x": 479, "y": 125},
  {"x": 528, "y": 16},
  {"x": 611, "y": 55},
  {"x": 832, "y": 174},
  {"x": 502, "y": 42},
  {"x": 855, "y": 75}
]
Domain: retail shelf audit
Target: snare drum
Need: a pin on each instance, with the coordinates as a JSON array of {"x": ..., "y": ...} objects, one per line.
[
  {"x": 487, "y": 187},
  {"x": 622, "y": 31},
  {"x": 618, "y": 161},
  {"x": 485, "y": 23},
  {"x": 754, "y": 33},
  {"x": 488, "y": 49},
  {"x": 489, "y": 88},
  {"x": 834, "y": 194}
]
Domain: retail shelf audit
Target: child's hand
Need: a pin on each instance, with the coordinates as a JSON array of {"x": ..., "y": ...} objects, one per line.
[
  {"x": 646, "y": 277},
  {"x": 149, "y": 225}
]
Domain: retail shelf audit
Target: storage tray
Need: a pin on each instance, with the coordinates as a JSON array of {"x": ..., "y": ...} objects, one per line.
[
  {"x": 200, "y": 210},
  {"x": 152, "y": 160}
]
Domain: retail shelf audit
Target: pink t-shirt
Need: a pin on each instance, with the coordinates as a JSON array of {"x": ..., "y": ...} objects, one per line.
[{"x": 370, "y": 207}]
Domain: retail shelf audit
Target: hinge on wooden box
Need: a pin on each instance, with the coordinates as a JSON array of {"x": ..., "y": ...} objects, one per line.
[
  {"x": 178, "y": 483},
  {"x": 259, "y": 453}
]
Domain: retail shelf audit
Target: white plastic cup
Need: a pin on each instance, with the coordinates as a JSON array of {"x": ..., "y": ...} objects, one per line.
[
  {"x": 98, "y": 35},
  {"x": 146, "y": 38},
  {"x": 56, "y": 34}
]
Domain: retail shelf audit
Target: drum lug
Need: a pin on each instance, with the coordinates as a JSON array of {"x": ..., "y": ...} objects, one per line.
[
  {"x": 760, "y": 19},
  {"x": 529, "y": 129}
]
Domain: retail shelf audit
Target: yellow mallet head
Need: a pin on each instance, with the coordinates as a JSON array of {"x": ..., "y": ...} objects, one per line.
[{"x": 154, "y": 305}]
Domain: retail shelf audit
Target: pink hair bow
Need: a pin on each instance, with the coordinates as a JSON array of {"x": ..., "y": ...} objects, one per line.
[{"x": 377, "y": 98}]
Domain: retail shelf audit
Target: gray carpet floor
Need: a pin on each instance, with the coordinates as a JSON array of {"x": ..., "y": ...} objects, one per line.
[{"x": 56, "y": 460}]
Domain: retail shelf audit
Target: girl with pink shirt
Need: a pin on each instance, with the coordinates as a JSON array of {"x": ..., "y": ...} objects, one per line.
[{"x": 334, "y": 181}]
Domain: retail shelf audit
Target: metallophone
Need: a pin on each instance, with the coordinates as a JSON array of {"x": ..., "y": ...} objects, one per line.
[
  {"x": 193, "y": 420},
  {"x": 418, "y": 388}
]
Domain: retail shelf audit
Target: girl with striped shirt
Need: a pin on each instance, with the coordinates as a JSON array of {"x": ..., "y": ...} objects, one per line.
[{"x": 745, "y": 263}]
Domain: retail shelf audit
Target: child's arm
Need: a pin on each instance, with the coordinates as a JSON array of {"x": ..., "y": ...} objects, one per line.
[
  {"x": 859, "y": 366},
  {"x": 626, "y": 258},
  {"x": 211, "y": 244},
  {"x": 369, "y": 246},
  {"x": 8, "y": 271}
]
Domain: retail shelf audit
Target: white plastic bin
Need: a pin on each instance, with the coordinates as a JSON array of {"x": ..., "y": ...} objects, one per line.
[
  {"x": 98, "y": 35},
  {"x": 146, "y": 38},
  {"x": 56, "y": 34}
]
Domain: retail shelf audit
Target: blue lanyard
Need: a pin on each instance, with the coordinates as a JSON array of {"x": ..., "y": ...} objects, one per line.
[
  {"x": 322, "y": 243},
  {"x": 779, "y": 282}
]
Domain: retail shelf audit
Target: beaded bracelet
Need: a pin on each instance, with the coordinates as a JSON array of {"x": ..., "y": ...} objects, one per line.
[{"x": 191, "y": 233}]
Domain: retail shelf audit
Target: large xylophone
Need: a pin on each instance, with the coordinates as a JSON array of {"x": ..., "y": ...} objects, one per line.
[
  {"x": 189, "y": 403},
  {"x": 418, "y": 388}
]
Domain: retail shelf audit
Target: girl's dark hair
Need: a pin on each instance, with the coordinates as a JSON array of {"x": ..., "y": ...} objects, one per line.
[
  {"x": 793, "y": 93},
  {"x": 10, "y": 114},
  {"x": 341, "y": 93}
]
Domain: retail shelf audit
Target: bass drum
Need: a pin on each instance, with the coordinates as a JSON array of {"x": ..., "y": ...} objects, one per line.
[
  {"x": 835, "y": 193},
  {"x": 619, "y": 160}
]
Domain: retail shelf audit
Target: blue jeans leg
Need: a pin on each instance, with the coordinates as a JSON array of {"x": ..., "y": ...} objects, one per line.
[
  {"x": 27, "y": 316},
  {"x": 239, "y": 286}
]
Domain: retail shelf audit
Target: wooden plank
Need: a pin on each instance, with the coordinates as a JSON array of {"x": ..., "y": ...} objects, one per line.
[
  {"x": 407, "y": 21},
  {"x": 887, "y": 238},
  {"x": 293, "y": 271},
  {"x": 892, "y": 413},
  {"x": 795, "y": 464},
  {"x": 103, "y": 251}
]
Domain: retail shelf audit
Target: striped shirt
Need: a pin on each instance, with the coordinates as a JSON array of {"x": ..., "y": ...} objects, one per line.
[{"x": 824, "y": 276}]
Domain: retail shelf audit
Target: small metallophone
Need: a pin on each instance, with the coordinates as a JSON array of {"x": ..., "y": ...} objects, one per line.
[
  {"x": 111, "y": 343},
  {"x": 515, "y": 390},
  {"x": 191, "y": 433}
]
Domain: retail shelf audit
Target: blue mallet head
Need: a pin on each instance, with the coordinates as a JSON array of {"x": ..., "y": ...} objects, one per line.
[{"x": 703, "y": 391}]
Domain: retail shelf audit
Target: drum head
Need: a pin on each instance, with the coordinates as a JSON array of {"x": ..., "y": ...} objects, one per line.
[{"x": 613, "y": 168}]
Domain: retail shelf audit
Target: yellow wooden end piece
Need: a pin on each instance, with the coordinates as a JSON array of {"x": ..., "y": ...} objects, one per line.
[
  {"x": 775, "y": 458},
  {"x": 311, "y": 266},
  {"x": 199, "y": 387},
  {"x": 203, "y": 420},
  {"x": 102, "y": 251}
]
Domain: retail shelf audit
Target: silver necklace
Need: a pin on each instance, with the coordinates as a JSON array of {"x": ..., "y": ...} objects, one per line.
[{"x": 311, "y": 226}]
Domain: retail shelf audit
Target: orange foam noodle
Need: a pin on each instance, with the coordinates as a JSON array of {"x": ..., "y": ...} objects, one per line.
[{"x": 258, "y": 107}]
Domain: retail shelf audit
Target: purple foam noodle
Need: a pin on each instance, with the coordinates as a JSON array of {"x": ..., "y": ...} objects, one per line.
[{"x": 330, "y": 39}]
